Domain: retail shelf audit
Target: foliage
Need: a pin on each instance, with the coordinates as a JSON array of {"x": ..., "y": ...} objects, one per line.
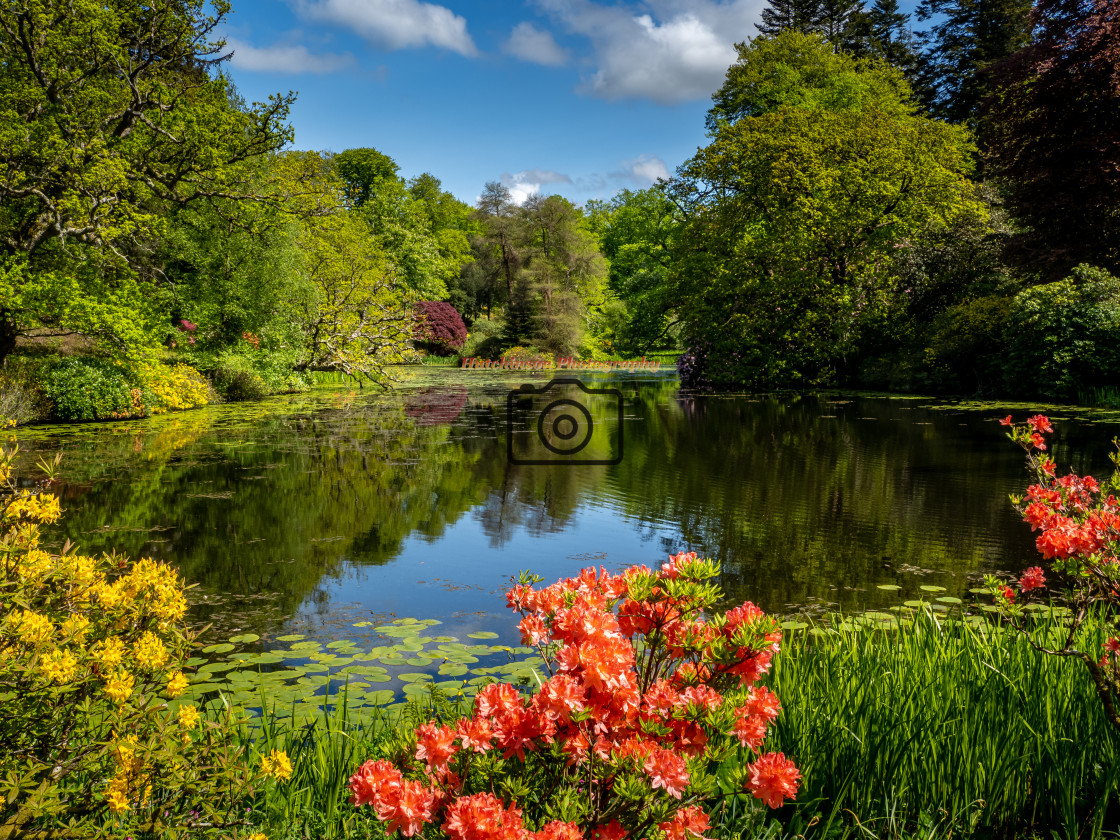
[
  {"x": 922, "y": 720},
  {"x": 637, "y": 232},
  {"x": 88, "y": 389},
  {"x": 112, "y": 112},
  {"x": 1052, "y": 127},
  {"x": 966, "y": 37},
  {"x": 439, "y": 327},
  {"x": 359, "y": 319},
  {"x": 91, "y": 650},
  {"x": 1064, "y": 336},
  {"x": 484, "y": 339},
  {"x": 643, "y": 716},
  {"x": 1079, "y": 523},
  {"x": 796, "y": 208}
]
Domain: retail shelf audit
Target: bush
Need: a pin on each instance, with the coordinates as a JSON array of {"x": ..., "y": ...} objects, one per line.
[
  {"x": 92, "y": 653},
  {"x": 646, "y": 713},
  {"x": 484, "y": 340},
  {"x": 1064, "y": 337},
  {"x": 439, "y": 328},
  {"x": 529, "y": 354},
  {"x": 964, "y": 347},
  {"x": 254, "y": 374},
  {"x": 87, "y": 388},
  {"x": 21, "y": 400},
  {"x": 173, "y": 387}
]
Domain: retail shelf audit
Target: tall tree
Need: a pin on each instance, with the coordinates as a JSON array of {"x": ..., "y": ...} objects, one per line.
[
  {"x": 782, "y": 15},
  {"x": 1053, "y": 130},
  {"x": 113, "y": 112},
  {"x": 795, "y": 210},
  {"x": 965, "y": 38}
]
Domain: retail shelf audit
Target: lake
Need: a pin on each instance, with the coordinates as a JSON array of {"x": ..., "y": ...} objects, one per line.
[{"x": 315, "y": 512}]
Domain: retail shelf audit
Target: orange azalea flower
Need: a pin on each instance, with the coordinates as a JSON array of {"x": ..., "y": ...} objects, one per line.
[
  {"x": 773, "y": 779},
  {"x": 687, "y": 824},
  {"x": 668, "y": 771}
]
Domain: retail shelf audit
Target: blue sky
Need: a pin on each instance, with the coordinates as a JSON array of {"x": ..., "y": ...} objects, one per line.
[{"x": 574, "y": 97}]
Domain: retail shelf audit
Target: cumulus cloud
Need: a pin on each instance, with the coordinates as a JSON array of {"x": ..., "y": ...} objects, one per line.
[
  {"x": 531, "y": 44},
  {"x": 395, "y": 24},
  {"x": 666, "y": 50},
  {"x": 286, "y": 58},
  {"x": 529, "y": 182}
]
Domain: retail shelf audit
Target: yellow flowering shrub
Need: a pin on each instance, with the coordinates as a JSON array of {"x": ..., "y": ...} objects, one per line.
[
  {"x": 93, "y": 653},
  {"x": 172, "y": 387}
]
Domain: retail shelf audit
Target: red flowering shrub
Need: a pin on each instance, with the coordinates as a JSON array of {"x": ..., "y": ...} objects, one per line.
[
  {"x": 648, "y": 709},
  {"x": 1078, "y": 520},
  {"x": 439, "y": 327}
]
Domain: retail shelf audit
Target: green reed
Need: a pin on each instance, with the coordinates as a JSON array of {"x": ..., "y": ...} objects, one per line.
[{"x": 941, "y": 725}]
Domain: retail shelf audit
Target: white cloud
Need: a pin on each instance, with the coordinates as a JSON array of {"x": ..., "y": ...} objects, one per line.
[
  {"x": 524, "y": 184},
  {"x": 666, "y": 50},
  {"x": 286, "y": 58},
  {"x": 395, "y": 24},
  {"x": 531, "y": 44},
  {"x": 645, "y": 169}
]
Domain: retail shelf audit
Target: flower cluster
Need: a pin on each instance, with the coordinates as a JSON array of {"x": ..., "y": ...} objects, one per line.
[
  {"x": 642, "y": 695},
  {"x": 91, "y": 647},
  {"x": 1078, "y": 520}
]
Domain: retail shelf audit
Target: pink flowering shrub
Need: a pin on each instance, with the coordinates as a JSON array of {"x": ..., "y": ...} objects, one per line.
[
  {"x": 1078, "y": 520},
  {"x": 646, "y": 709}
]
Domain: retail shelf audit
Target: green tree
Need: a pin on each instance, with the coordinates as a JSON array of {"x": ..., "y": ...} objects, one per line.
[
  {"x": 637, "y": 233},
  {"x": 795, "y": 211},
  {"x": 112, "y": 112},
  {"x": 798, "y": 15},
  {"x": 965, "y": 38}
]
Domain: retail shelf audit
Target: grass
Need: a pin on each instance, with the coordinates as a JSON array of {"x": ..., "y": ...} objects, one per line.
[
  {"x": 1103, "y": 396},
  {"x": 952, "y": 725}
]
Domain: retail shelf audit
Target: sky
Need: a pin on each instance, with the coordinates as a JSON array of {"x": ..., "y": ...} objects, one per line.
[{"x": 572, "y": 97}]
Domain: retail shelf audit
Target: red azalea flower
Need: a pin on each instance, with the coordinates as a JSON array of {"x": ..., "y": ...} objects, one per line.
[
  {"x": 1006, "y": 421},
  {"x": 1040, "y": 423},
  {"x": 1032, "y": 578}
]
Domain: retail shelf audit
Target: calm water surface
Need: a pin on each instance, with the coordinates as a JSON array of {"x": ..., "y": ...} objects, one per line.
[{"x": 315, "y": 512}]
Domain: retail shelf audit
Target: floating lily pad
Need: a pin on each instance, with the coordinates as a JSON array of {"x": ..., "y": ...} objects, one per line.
[
  {"x": 949, "y": 599},
  {"x": 245, "y": 639},
  {"x": 794, "y": 625},
  {"x": 892, "y": 587},
  {"x": 484, "y": 634},
  {"x": 414, "y": 678},
  {"x": 930, "y": 588},
  {"x": 291, "y": 637},
  {"x": 224, "y": 647}
]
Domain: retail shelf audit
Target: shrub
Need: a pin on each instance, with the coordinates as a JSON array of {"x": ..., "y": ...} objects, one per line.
[
  {"x": 964, "y": 344},
  {"x": 87, "y": 388},
  {"x": 92, "y": 653},
  {"x": 529, "y": 354},
  {"x": 439, "y": 328},
  {"x": 484, "y": 340},
  {"x": 1065, "y": 336},
  {"x": 645, "y": 714},
  {"x": 173, "y": 387},
  {"x": 21, "y": 400}
]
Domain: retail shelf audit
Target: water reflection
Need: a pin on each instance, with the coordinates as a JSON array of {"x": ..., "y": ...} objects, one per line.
[{"x": 333, "y": 506}]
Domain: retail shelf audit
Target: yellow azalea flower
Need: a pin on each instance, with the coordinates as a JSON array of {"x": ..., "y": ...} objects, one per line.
[
  {"x": 75, "y": 627},
  {"x": 277, "y": 765},
  {"x": 59, "y": 665},
  {"x": 188, "y": 717},
  {"x": 32, "y": 628},
  {"x": 176, "y": 684},
  {"x": 125, "y": 753},
  {"x": 119, "y": 685},
  {"x": 109, "y": 653},
  {"x": 117, "y": 794},
  {"x": 35, "y": 564},
  {"x": 149, "y": 651},
  {"x": 108, "y": 595},
  {"x": 258, "y": 836}
]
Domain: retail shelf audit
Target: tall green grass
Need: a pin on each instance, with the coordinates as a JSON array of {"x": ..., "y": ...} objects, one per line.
[
  {"x": 944, "y": 725},
  {"x": 332, "y": 377}
]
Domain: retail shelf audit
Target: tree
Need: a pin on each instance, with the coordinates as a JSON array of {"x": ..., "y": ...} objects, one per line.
[
  {"x": 113, "y": 112},
  {"x": 496, "y": 248},
  {"x": 1053, "y": 131},
  {"x": 637, "y": 233},
  {"x": 794, "y": 213},
  {"x": 798, "y": 15},
  {"x": 966, "y": 37},
  {"x": 803, "y": 71}
]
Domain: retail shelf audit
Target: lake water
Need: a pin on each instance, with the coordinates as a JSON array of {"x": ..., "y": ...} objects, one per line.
[{"x": 315, "y": 512}]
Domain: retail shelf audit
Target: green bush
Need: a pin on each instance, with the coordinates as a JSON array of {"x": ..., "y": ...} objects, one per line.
[
  {"x": 1064, "y": 337},
  {"x": 484, "y": 339},
  {"x": 252, "y": 375},
  {"x": 87, "y": 388},
  {"x": 964, "y": 346}
]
